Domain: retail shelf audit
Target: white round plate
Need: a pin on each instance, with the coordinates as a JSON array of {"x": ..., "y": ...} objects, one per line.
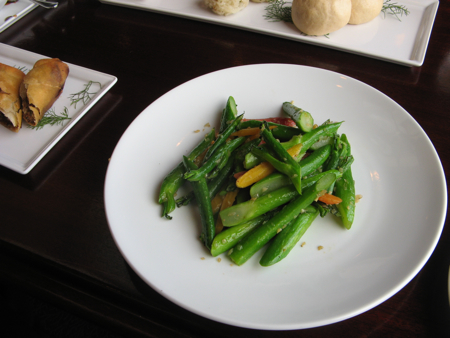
[{"x": 398, "y": 221}]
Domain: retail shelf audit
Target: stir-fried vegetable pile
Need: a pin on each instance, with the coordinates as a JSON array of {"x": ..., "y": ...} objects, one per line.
[{"x": 261, "y": 181}]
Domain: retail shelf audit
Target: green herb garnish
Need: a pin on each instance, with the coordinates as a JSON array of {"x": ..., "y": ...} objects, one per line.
[
  {"x": 278, "y": 10},
  {"x": 84, "y": 95},
  {"x": 394, "y": 9},
  {"x": 52, "y": 119}
]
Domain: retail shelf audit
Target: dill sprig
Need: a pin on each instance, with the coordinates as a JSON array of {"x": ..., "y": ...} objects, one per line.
[
  {"x": 279, "y": 10},
  {"x": 52, "y": 119},
  {"x": 83, "y": 95},
  {"x": 394, "y": 9}
]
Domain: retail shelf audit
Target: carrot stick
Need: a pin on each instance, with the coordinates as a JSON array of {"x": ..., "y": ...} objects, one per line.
[{"x": 330, "y": 199}]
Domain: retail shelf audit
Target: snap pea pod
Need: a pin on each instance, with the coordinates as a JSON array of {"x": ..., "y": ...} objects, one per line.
[
  {"x": 307, "y": 165},
  {"x": 345, "y": 189},
  {"x": 175, "y": 179},
  {"x": 201, "y": 192},
  {"x": 252, "y": 208},
  {"x": 302, "y": 118},
  {"x": 281, "y": 132},
  {"x": 228, "y": 114},
  {"x": 285, "y": 241},
  {"x": 314, "y": 135},
  {"x": 322, "y": 141},
  {"x": 218, "y": 159},
  {"x": 228, "y": 238},
  {"x": 261, "y": 235},
  {"x": 307, "y": 140},
  {"x": 337, "y": 156},
  {"x": 285, "y": 163},
  {"x": 214, "y": 185},
  {"x": 222, "y": 137}
]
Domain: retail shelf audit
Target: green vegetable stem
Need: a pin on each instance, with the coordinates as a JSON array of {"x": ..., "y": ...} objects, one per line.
[{"x": 302, "y": 118}]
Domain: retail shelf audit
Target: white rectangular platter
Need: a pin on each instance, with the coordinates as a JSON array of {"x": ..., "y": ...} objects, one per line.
[
  {"x": 13, "y": 12},
  {"x": 402, "y": 40},
  {"x": 23, "y": 150}
]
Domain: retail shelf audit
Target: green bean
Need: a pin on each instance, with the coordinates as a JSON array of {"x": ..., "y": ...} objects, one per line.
[
  {"x": 175, "y": 179},
  {"x": 228, "y": 114},
  {"x": 285, "y": 241},
  {"x": 214, "y": 185},
  {"x": 285, "y": 163},
  {"x": 201, "y": 192},
  {"x": 261, "y": 235},
  {"x": 228, "y": 238},
  {"x": 345, "y": 189},
  {"x": 222, "y": 138},
  {"x": 252, "y": 160},
  {"x": 292, "y": 172},
  {"x": 218, "y": 159}
]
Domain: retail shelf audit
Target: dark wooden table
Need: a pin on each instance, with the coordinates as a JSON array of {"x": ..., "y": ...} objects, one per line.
[{"x": 55, "y": 244}]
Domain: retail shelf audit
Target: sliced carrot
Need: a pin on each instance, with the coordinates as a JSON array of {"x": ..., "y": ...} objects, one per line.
[
  {"x": 255, "y": 174},
  {"x": 330, "y": 199}
]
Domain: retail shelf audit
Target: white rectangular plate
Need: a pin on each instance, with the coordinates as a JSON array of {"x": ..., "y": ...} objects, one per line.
[
  {"x": 386, "y": 37},
  {"x": 23, "y": 150},
  {"x": 14, "y": 11}
]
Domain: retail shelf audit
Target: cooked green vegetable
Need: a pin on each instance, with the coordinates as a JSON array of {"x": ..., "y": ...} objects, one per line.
[
  {"x": 218, "y": 159},
  {"x": 281, "y": 132},
  {"x": 284, "y": 163},
  {"x": 228, "y": 114},
  {"x": 222, "y": 138},
  {"x": 278, "y": 180},
  {"x": 307, "y": 140},
  {"x": 345, "y": 189},
  {"x": 263, "y": 234},
  {"x": 175, "y": 179},
  {"x": 289, "y": 237},
  {"x": 302, "y": 118},
  {"x": 201, "y": 193},
  {"x": 231, "y": 236},
  {"x": 279, "y": 199}
]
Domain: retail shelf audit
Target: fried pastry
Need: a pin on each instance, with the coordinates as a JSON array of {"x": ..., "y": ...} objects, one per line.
[
  {"x": 41, "y": 87},
  {"x": 10, "y": 105}
]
